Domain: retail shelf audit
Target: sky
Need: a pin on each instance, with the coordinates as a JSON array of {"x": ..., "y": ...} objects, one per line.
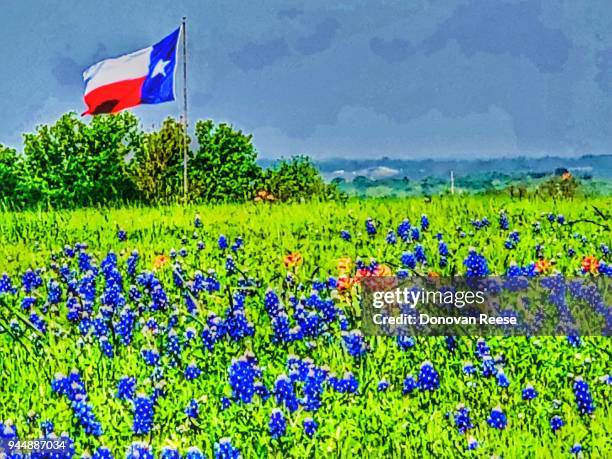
[{"x": 352, "y": 79}]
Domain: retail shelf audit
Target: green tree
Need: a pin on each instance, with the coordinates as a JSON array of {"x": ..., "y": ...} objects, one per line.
[
  {"x": 9, "y": 174},
  {"x": 157, "y": 167},
  {"x": 72, "y": 163},
  {"x": 296, "y": 178},
  {"x": 224, "y": 167}
]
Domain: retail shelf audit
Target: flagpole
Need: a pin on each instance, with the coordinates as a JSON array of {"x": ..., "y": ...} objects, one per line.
[{"x": 185, "y": 155}]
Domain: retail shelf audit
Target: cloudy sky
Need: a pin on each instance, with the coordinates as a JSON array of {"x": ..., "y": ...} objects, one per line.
[{"x": 361, "y": 79}]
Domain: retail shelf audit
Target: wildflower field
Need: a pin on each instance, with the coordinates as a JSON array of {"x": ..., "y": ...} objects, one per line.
[{"x": 228, "y": 331}]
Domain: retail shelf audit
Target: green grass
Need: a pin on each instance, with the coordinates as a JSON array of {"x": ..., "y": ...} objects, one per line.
[{"x": 370, "y": 424}]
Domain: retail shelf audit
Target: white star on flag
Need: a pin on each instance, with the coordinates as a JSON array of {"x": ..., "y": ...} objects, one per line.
[{"x": 160, "y": 68}]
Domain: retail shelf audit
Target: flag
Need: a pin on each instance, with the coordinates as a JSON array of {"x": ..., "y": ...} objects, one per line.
[{"x": 141, "y": 77}]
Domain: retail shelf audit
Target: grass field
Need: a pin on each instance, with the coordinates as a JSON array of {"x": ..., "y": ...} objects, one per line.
[{"x": 78, "y": 321}]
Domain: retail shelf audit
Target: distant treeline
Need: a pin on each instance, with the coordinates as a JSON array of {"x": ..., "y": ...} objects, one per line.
[
  {"x": 112, "y": 160},
  {"x": 597, "y": 166}
]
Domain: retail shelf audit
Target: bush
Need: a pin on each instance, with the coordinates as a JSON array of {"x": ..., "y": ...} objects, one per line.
[
  {"x": 9, "y": 174},
  {"x": 71, "y": 163},
  {"x": 296, "y": 179},
  {"x": 224, "y": 167},
  {"x": 157, "y": 167}
]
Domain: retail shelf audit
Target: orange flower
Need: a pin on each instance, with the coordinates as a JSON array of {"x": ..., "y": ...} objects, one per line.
[
  {"x": 345, "y": 282},
  {"x": 160, "y": 261},
  {"x": 382, "y": 271},
  {"x": 566, "y": 176},
  {"x": 433, "y": 275},
  {"x": 590, "y": 264},
  {"x": 543, "y": 266},
  {"x": 344, "y": 265},
  {"x": 293, "y": 259}
]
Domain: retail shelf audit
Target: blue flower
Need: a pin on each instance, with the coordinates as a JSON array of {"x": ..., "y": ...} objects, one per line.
[
  {"x": 310, "y": 427},
  {"x": 462, "y": 419},
  {"x": 529, "y": 393},
  {"x": 278, "y": 424},
  {"x": 102, "y": 453},
  {"x": 370, "y": 227},
  {"x": 502, "y": 379},
  {"x": 577, "y": 448},
  {"x": 285, "y": 393},
  {"x": 355, "y": 343},
  {"x": 126, "y": 388},
  {"x": 409, "y": 260},
  {"x": 583, "y": 397},
  {"x": 428, "y": 377},
  {"x": 424, "y": 222},
  {"x": 497, "y": 418},
  {"x": 383, "y": 385},
  {"x": 344, "y": 234},
  {"x": 143, "y": 415},
  {"x": 168, "y": 452},
  {"x": 194, "y": 453},
  {"x": 139, "y": 450},
  {"x": 476, "y": 264},
  {"x": 225, "y": 450},
  {"x": 121, "y": 235},
  {"x": 193, "y": 409},
  {"x": 556, "y": 423},
  {"x": 192, "y": 372},
  {"x": 410, "y": 385}
]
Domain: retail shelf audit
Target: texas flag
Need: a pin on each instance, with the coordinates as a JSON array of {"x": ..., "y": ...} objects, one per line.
[{"x": 141, "y": 77}]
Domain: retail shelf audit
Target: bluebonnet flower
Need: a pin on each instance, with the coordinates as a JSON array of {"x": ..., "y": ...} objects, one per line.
[
  {"x": 54, "y": 292},
  {"x": 468, "y": 368},
  {"x": 6, "y": 285},
  {"x": 410, "y": 385},
  {"x": 476, "y": 264},
  {"x": 419, "y": 254},
  {"x": 225, "y": 450},
  {"x": 344, "y": 234},
  {"x": 278, "y": 424},
  {"x": 482, "y": 348},
  {"x": 182, "y": 252},
  {"x": 403, "y": 230},
  {"x": 462, "y": 419},
  {"x": 192, "y": 372},
  {"x": 106, "y": 347},
  {"x": 529, "y": 393},
  {"x": 370, "y": 227},
  {"x": 83, "y": 412},
  {"x": 197, "y": 221},
  {"x": 556, "y": 423},
  {"x": 347, "y": 384},
  {"x": 242, "y": 374},
  {"x": 577, "y": 448},
  {"x": 310, "y": 427},
  {"x": 150, "y": 356},
  {"x": 31, "y": 280},
  {"x": 139, "y": 450},
  {"x": 605, "y": 250},
  {"x": 409, "y": 260},
  {"x": 143, "y": 414},
  {"x": 428, "y": 377},
  {"x": 472, "y": 443},
  {"x": 503, "y": 221},
  {"x": 168, "y": 452},
  {"x": 222, "y": 242},
  {"x": 193, "y": 409},
  {"x": 424, "y": 222},
  {"x": 102, "y": 452},
  {"x": 560, "y": 219},
  {"x": 415, "y": 234},
  {"x": 355, "y": 343},
  {"x": 442, "y": 249},
  {"x": 39, "y": 323},
  {"x": 126, "y": 388},
  {"x": 501, "y": 379},
  {"x": 583, "y": 397},
  {"x": 225, "y": 403},
  {"x": 285, "y": 393},
  {"x": 497, "y": 418},
  {"x": 383, "y": 385},
  {"x": 46, "y": 426},
  {"x": 121, "y": 235},
  {"x": 391, "y": 239},
  {"x": 194, "y": 453},
  {"x": 488, "y": 366}
]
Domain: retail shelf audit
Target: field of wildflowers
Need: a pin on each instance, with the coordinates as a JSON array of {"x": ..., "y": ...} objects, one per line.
[{"x": 228, "y": 331}]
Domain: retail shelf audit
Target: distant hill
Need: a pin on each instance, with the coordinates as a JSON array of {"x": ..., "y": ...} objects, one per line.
[{"x": 588, "y": 165}]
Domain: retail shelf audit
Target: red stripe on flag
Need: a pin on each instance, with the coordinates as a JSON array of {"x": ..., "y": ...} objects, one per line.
[{"x": 114, "y": 97}]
